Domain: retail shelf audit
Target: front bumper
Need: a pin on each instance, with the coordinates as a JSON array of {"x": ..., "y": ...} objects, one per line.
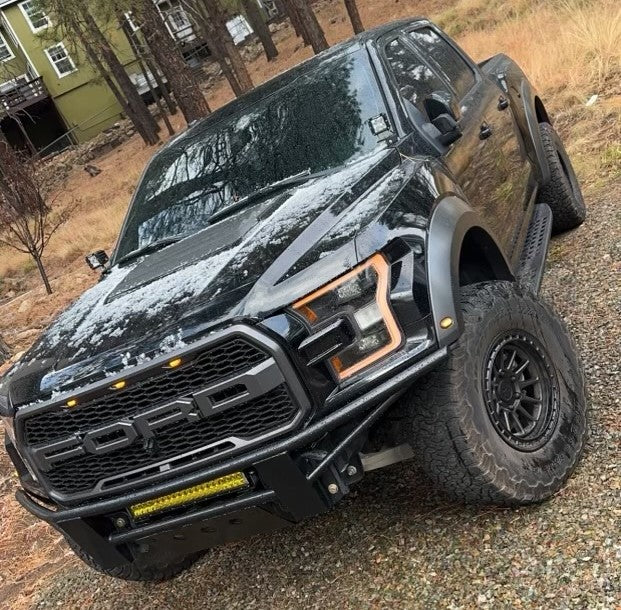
[{"x": 290, "y": 478}]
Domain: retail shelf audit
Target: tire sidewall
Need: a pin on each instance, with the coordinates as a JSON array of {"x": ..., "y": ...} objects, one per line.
[
  {"x": 562, "y": 192},
  {"x": 481, "y": 330},
  {"x": 566, "y": 174}
]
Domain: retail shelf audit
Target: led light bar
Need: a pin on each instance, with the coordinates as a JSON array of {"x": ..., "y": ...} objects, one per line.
[{"x": 229, "y": 482}]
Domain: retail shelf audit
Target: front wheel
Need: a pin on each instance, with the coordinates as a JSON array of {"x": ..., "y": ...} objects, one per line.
[
  {"x": 134, "y": 572},
  {"x": 504, "y": 420}
]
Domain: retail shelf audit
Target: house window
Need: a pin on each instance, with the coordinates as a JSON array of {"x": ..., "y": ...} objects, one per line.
[
  {"x": 178, "y": 19},
  {"x": 59, "y": 58},
  {"x": 35, "y": 17},
  {"x": 5, "y": 50}
]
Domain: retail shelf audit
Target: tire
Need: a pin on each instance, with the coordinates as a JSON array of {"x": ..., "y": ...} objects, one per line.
[
  {"x": 562, "y": 193},
  {"x": 456, "y": 421},
  {"x": 134, "y": 572}
]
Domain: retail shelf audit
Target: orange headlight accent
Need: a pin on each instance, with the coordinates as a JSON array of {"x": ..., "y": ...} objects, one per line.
[{"x": 382, "y": 268}]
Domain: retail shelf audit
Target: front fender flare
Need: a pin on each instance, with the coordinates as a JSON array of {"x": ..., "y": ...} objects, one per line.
[{"x": 450, "y": 222}]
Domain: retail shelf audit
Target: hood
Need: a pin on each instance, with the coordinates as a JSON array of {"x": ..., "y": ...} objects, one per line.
[{"x": 245, "y": 266}]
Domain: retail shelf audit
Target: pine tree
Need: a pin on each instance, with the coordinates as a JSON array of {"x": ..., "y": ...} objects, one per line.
[
  {"x": 354, "y": 16},
  {"x": 257, "y": 22},
  {"x": 310, "y": 25},
  {"x": 181, "y": 79}
]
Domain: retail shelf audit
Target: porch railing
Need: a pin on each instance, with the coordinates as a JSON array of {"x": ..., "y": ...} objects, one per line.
[{"x": 22, "y": 95}]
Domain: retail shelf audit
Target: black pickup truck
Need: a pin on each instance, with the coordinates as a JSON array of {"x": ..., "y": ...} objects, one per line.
[{"x": 335, "y": 272}]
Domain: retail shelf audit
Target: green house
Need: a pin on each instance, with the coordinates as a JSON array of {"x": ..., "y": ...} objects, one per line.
[{"x": 50, "y": 96}]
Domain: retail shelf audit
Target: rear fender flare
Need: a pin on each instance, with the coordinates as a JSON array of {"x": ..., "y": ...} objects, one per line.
[{"x": 532, "y": 122}]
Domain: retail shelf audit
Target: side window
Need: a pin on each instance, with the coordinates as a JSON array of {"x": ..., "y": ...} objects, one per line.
[
  {"x": 453, "y": 66},
  {"x": 414, "y": 78}
]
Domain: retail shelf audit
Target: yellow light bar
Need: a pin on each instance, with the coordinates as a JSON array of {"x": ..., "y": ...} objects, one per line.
[{"x": 229, "y": 482}]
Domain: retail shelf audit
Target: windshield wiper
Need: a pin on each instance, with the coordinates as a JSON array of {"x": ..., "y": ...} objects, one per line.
[
  {"x": 281, "y": 185},
  {"x": 149, "y": 248}
]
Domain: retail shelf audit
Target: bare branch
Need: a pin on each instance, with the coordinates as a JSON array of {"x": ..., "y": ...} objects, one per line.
[{"x": 26, "y": 221}]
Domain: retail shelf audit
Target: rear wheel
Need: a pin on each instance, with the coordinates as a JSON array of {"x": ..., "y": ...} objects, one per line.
[
  {"x": 134, "y": 572},
  {"x": 562, "y": 193},
  {"x": 504, "y": 421}
]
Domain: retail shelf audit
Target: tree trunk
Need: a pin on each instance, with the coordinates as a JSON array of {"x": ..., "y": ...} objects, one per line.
[
  {"x": 98, "y": 65},
  {"x": 311, "y": 25},
  {"x": 139, "y": 53},
  {"x": 257, "y": 22},
  {"x": 354, "y": 16},
  {"x": 134, "y": 101},
  {"x": 155, "y": 95},
  {"x": 225, "y": 40},
  {"x": 216, "y": 48},
  {"x": 43, "y": 273},
  {"x": 294, "y": 17},
  {"x": 167, "y": 55}
]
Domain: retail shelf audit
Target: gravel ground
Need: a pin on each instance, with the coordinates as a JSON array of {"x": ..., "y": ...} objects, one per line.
[{"x": 396, "y": 543}]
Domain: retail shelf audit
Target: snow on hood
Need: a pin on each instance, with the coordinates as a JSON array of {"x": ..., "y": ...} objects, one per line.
[{"x": 105, "y": 311}]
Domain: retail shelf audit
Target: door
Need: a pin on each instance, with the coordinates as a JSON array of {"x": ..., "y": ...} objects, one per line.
[{"x": 475, "y": 160}]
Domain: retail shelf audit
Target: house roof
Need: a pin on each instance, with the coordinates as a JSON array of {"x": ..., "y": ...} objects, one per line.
[{"x": 4, "y": 3}]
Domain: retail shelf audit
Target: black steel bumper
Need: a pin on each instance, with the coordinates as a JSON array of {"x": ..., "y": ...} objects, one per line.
[{"x": 283, "y": 490}]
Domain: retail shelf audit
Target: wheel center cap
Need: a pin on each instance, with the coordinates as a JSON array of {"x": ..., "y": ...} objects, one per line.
[{"x": 505, "y": 390}]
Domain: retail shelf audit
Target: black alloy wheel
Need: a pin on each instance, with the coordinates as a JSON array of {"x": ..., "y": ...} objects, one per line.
[{"x": 520, "y": 391}]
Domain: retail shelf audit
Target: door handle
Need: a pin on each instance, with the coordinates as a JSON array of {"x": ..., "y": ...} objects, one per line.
[
  {"x": 503, "y": 103},
  {"x": 486, "y": 131}
]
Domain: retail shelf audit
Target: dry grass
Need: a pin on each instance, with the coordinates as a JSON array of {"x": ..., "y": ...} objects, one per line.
[
  {"x": 571, "y": 49},
  {"x": 565, "y": 46},
  {"x": 20, "y": 531}
]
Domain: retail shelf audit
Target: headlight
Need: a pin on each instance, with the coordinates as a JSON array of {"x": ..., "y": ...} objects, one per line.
[{"x": 361, "y": 297}]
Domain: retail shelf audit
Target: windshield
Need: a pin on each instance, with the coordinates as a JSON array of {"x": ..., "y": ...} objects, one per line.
[{"x": 317, "y": 122}]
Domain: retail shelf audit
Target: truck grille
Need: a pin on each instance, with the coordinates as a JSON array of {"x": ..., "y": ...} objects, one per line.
[
  {"x": 214, "y": 365},
  {"x": 181, "y": 443}
]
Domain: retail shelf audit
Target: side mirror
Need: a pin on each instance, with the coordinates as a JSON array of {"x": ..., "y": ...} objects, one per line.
[
  {"x": 97, "y": 260},
  {"x": 441, "y": 102},
  {"x": 448, "y": 128},
  {"x": 443, "y": 113}
]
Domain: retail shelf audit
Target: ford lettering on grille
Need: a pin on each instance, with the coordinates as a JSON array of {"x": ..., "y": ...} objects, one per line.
[{"x": 201, "y": 405}]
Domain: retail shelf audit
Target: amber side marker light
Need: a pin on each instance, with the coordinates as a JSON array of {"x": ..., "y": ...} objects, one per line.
[
  {"x": 446, "y": 323},
  {"x": 229, "y": 482}
]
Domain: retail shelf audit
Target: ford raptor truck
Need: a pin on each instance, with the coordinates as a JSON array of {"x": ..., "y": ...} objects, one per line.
[{"x": 335, "y": 272}]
